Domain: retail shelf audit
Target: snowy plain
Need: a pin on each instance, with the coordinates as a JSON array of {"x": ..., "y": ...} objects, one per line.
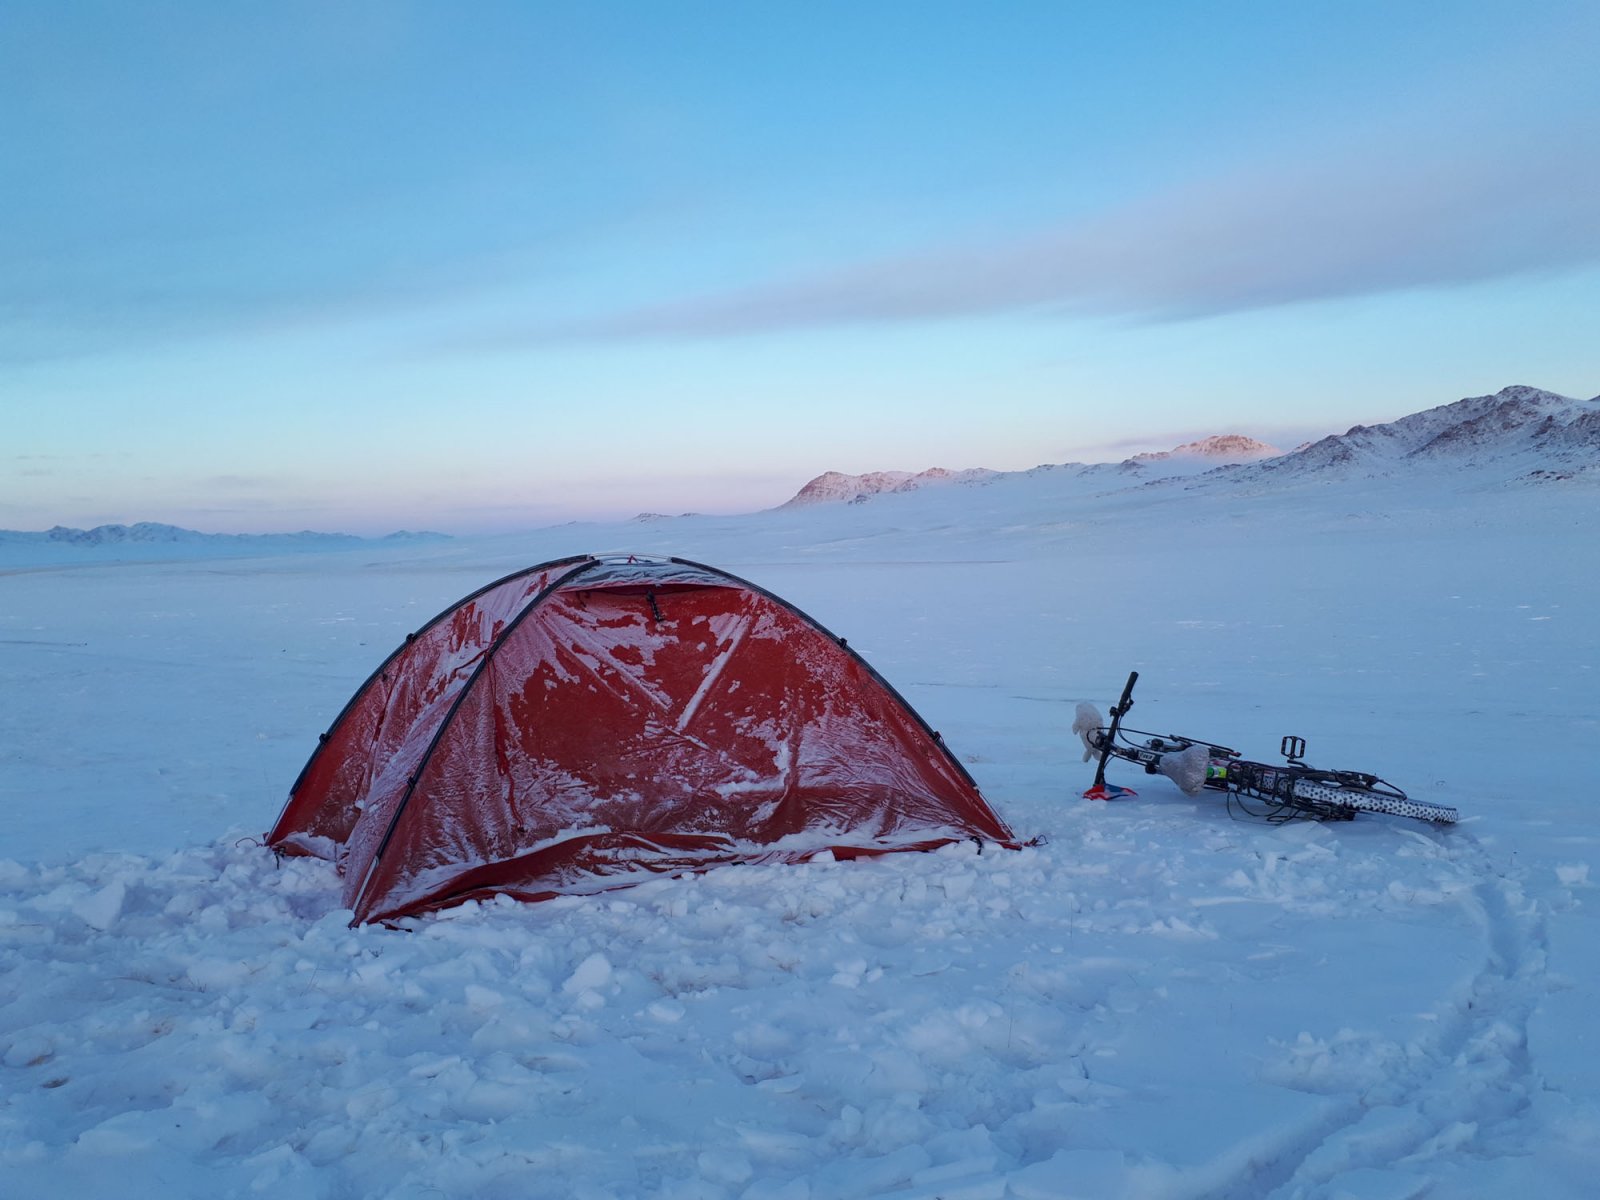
[{"x": 1160, "y": 1001}]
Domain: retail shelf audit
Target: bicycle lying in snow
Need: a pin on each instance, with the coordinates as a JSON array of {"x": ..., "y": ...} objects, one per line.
[{"x": 1288, "y": 792}]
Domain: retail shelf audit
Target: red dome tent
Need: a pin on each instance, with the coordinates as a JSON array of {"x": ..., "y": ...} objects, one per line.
[{"x": 574, "y": 726}]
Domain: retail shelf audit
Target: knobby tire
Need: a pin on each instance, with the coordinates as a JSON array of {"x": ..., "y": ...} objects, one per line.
[{"x": 1363, "y": 800}]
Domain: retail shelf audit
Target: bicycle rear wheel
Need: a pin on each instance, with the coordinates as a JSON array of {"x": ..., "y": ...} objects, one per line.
[{"x": 1317, "y": 795}]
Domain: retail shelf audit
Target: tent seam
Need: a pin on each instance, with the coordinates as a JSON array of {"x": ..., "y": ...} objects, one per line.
[
  {"x": 586, "y": 563},
  {"x": 409, "y": 640}
]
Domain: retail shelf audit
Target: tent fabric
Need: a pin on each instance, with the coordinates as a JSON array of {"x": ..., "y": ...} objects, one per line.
[{"x": 589, "y": 722}]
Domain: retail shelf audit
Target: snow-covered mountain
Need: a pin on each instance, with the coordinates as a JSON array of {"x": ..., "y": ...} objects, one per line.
[
  {"x": 1518, "y": 436},
  {"x": 835, "y": 485},
  {"x": 1191, "y": 458},
  {"x": 1516, "y": 433},
  {"x": 1216, "y": 451}
]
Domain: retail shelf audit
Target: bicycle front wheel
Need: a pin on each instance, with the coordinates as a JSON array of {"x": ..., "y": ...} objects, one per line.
[{"x": 1318, "y": 795}]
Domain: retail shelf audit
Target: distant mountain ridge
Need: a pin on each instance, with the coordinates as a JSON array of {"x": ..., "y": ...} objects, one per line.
[
  {"x": 1190, "y": 458},
  {"x": 1518, "y": 436},
  {"x": 151, "y": 533},
  {"x": 1518, "y": 433}
]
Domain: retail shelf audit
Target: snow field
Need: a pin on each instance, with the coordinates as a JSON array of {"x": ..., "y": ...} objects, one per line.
[
  {"x": 1157, "y": 1002},
  {"x": 860, "y": 1029}
]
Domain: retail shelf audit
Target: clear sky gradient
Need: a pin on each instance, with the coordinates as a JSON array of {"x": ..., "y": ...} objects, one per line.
[{"x": 363, "y": 266}]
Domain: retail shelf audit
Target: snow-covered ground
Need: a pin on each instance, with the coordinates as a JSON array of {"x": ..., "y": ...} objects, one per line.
[{"x": 1160, "y": 1001}]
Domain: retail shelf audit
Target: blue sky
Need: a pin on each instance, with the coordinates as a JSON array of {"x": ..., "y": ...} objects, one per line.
[{"x": 364, "y": 266}]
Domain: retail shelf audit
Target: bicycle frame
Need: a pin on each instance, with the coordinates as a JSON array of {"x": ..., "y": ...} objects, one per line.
[{"x": 1290, "y": 791}]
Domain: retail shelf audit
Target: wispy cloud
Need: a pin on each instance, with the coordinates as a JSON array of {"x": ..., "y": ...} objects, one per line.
[
  {"x": 1367, "y": 220},
  {"x": 247, "y": 483}
]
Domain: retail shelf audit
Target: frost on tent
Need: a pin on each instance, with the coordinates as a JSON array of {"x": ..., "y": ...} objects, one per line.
[{"x": 587, "y": 723}]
